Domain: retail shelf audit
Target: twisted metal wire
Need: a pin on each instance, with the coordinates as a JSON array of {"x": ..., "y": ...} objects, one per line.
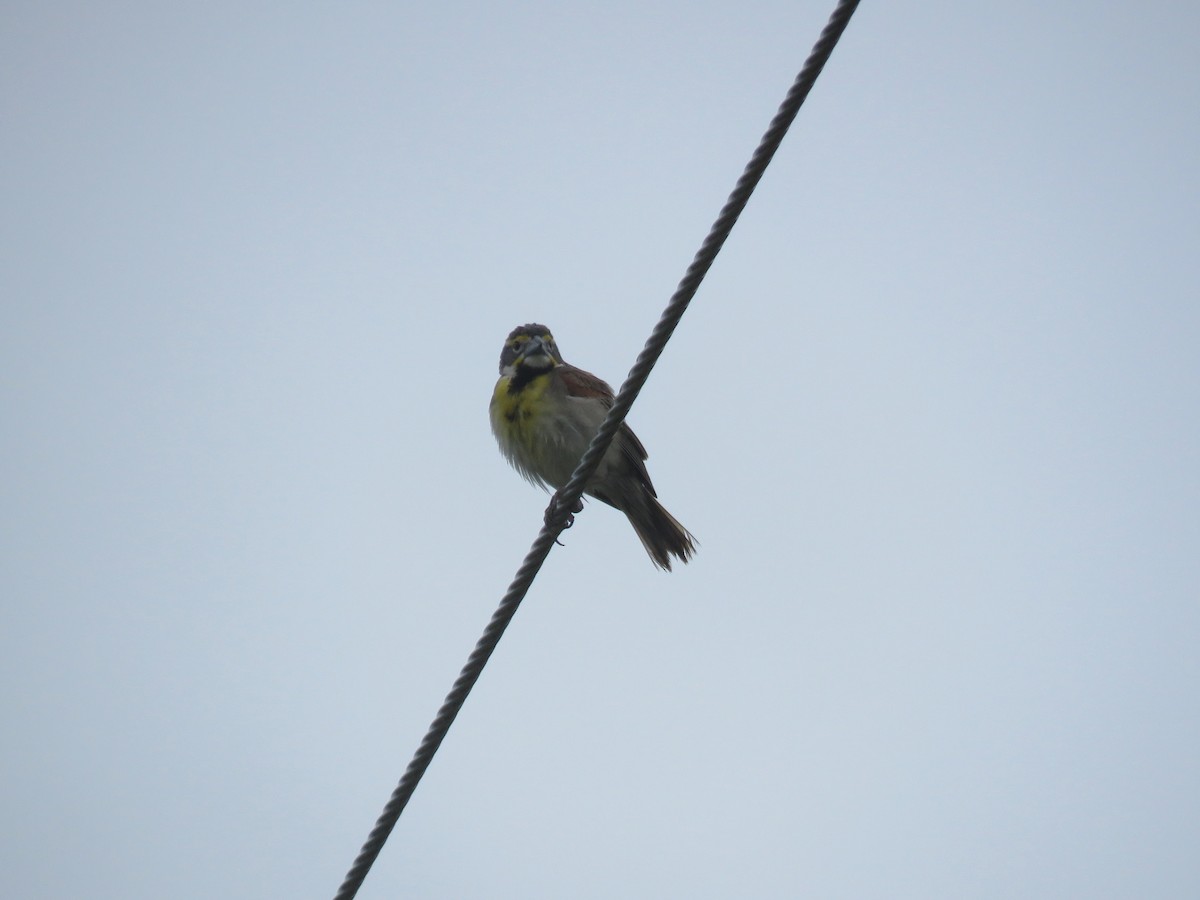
[{"x": 565, "y": 499}]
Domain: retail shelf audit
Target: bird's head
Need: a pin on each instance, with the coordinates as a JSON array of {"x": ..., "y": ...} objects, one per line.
[{"x": 531, "y": 348}]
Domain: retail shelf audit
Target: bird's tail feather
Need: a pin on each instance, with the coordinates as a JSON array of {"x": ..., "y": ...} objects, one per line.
[{"x": 661, "y": 533}]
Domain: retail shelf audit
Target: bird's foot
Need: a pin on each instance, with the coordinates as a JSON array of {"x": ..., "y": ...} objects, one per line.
[{"x": 554, "y": 512}]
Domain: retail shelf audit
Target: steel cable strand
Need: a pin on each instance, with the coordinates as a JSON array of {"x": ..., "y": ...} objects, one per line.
[
  {"x": 449, "y": 710},
  {"x": 568, "y": 496},
  {"x": 707, "y": 253}
]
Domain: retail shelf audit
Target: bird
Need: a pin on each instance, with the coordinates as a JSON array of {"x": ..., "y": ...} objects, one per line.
[{"x": 544, "y": 414}]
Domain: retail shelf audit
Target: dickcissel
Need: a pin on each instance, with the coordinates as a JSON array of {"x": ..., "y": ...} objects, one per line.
[{"x": 544, "y": 414}]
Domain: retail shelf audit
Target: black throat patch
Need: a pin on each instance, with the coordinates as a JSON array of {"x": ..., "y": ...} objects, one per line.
[{"x": 524, "y": 375}]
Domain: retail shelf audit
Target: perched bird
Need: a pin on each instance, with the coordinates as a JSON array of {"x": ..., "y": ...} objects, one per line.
[{"x": 544, "y": 414}]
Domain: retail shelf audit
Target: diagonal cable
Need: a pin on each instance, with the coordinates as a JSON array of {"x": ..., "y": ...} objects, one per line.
[{"x": 571, "y": 492}]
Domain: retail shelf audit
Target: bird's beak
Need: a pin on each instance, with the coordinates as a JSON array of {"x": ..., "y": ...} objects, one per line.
[{"x": 536, "y": 352}]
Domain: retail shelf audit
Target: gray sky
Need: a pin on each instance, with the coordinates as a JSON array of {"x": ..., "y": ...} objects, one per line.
[{"x": 933, "y": 418}]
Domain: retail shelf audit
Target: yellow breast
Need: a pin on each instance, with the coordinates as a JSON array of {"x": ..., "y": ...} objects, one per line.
[
  {"x": 515, "y": 411},
  {"x": 541, "y": 430},
  {"x": 519, "y": 421}
]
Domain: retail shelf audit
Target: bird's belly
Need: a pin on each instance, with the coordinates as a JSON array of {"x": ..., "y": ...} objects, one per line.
[{"x": 544, "y": 436}]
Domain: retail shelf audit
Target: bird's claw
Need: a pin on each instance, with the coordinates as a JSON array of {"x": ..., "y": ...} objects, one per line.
[{"x": 553, "y": 512}]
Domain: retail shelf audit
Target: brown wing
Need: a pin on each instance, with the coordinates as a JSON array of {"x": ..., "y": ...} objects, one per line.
[
  {"x": 584, "y": 384},
  {"x": 637, "y": 455}
]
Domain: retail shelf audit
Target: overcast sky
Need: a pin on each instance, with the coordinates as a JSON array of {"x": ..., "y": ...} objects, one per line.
[{"x": 933, "y": 418}]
